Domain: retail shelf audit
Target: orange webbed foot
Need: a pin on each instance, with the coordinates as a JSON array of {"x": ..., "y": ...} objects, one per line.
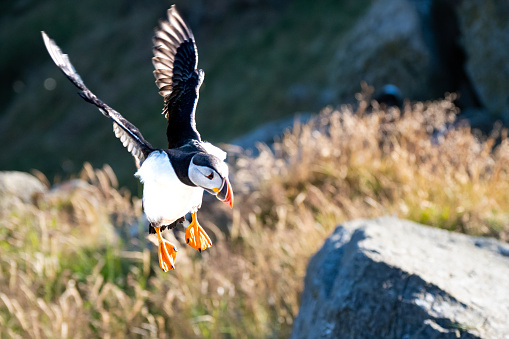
[
  {"x": 167, "y": 252},
  {"x": 196, "y": 237}
]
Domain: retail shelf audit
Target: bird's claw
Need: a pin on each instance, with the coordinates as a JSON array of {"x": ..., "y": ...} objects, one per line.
[
  {"x": 196, "y": 237},
  {"x": 167, "y": 256},
  {"x": 167, "y": 252}
]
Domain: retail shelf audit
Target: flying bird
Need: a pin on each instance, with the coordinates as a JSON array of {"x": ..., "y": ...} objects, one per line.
[{"x": 175, "y": 178}]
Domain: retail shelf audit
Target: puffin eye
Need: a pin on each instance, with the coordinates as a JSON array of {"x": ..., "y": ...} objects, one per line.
[{"x": 210, "y": 176}]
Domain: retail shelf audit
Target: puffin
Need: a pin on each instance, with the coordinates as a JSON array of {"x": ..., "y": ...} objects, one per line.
[{"x": 175, "y": 178}]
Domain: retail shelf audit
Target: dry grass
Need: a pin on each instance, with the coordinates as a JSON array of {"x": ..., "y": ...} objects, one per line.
[
  {"x": 68, "y": 267},
  {"x": 414, "y": 164}
]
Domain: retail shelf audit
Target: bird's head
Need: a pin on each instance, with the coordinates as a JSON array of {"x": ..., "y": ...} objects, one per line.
[{"x": 211, "y": 174}]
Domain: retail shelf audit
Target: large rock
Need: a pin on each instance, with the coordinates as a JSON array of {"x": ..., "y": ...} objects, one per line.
[
  {"x": 385, "y": 46},
  {"x": 268, "y": 132},
  {"x": 484, "y": 26},
  {"x": 18, "y": 187},
  {"x": 389, "y": 278}
]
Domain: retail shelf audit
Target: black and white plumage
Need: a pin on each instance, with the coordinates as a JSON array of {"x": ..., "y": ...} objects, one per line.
[
  {"x": 173, "y": 179},
  {"x": 128, "y": 134},
  {"x": 175, "y": 61}
]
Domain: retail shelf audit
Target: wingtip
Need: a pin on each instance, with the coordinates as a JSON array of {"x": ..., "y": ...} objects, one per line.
[
  {"x": 172, "y": 9},
  {"x": 45, "y": 36},
  {"x": 50, "y": 44}
]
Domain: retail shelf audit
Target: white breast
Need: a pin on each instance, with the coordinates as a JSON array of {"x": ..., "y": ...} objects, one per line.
[{"x": 165, "y": 197}]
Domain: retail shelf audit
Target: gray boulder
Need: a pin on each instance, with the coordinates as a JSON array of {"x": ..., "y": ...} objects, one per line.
[
  {"x": 386, "y": 45},
  {"x": 484, "y": 26},
  {"x": 267, "y": 133},
  {"x": 18, "y": 187},
  {"x": 389, "y": 278}
]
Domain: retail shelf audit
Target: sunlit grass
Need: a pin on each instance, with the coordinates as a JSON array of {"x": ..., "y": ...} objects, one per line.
[{"x": 70, "y": 266}]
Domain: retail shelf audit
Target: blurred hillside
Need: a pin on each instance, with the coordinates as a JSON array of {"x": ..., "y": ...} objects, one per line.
[
  {"x": 258, "y": 56},
  {"x": 264, "y": 60}
]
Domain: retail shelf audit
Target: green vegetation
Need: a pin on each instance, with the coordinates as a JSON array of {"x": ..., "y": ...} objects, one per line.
[
  {"x": 262, "y": 62},
  {"x": 68, "y": 267},
  {"x": 273, "y": 66}
]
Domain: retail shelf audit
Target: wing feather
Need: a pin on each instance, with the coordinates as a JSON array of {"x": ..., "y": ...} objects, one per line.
[
  {"x": 128, "y": 134},
  {"x": 175, "y": 61}
]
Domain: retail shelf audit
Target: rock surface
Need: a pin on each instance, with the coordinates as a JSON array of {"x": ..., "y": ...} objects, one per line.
[
  {"x": 18, "y": 187},
  {"x": 268, "y": 132},
  {"x": 389, "y": 278},
  {"x": 385, "y": 46},
  {"x": 484, "y": 26}
]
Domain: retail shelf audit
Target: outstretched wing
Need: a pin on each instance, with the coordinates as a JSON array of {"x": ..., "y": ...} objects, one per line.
[
  {"x": 128, "y": 134},
  {"x": 175, "y": 60}
]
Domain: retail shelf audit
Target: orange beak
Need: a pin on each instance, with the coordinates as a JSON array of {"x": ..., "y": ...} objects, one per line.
[{"x": 226, "y": 194}]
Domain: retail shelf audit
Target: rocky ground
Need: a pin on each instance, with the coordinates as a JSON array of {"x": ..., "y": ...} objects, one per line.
[{"x": 391, "y": 278}]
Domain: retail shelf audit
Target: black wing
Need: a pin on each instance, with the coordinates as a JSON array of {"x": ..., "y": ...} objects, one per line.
[
  {"x": 128, "y": 134},
  {"x": 175, "y": 60}
]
